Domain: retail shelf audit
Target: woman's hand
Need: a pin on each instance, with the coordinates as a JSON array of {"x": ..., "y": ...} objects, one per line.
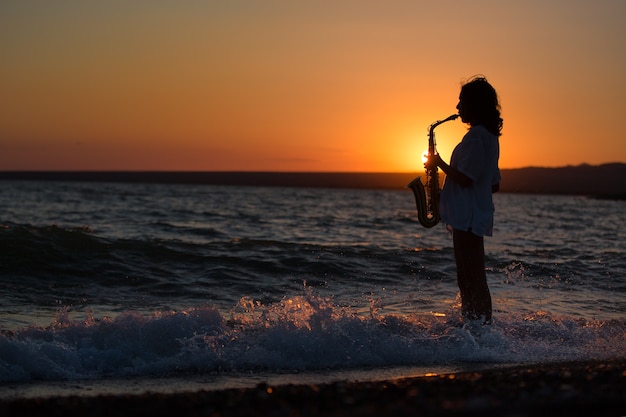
[
  {"x": 457, "y": 176},
  {"x": 433, "y": 162}
]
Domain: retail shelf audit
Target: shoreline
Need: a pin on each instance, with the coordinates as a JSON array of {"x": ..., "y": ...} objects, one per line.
[
  {"x": 218, "y": 381},
  {"x": 581, "y": 388}
]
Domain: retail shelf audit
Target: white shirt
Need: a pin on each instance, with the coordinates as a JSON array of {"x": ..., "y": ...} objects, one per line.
[{"x": 471, "y": 207}]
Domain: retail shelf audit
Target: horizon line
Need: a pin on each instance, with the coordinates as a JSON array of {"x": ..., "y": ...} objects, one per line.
[{"x": 235, "y": 171}]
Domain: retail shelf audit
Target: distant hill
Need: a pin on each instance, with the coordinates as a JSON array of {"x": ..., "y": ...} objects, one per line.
[{"x": 608, "y": 180}]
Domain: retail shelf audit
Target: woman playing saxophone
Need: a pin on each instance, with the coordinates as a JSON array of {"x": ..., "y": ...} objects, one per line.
[{"x": 466, "y": 203}]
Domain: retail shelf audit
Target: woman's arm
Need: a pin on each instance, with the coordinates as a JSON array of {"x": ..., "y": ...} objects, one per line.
[{"x": 452, "y": 173}]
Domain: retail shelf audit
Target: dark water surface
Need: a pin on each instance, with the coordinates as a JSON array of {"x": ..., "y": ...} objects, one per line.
[{"x": 111, "y": 280}]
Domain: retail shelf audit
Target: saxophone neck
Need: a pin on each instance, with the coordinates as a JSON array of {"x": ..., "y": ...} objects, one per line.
[
  {"x": 450, "y": 118},
  {"x": 431, "y": 133},
  {"x": 438, "y": 122}
]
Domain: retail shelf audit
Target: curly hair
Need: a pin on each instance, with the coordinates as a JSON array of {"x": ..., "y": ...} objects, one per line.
[{"x": 480, "y": 104}]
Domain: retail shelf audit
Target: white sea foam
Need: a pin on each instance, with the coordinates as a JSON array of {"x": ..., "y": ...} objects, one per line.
[{"x": 299, "y": 334}]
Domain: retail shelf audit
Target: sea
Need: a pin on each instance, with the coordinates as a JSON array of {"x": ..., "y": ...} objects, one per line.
[{"x": 231, "y": 286}]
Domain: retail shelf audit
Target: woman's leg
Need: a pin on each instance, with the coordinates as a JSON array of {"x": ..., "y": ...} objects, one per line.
[{"x": 469, "y": 253}]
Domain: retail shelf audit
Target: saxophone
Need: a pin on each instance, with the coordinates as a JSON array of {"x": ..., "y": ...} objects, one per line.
[{"x": 427, "y": 197}]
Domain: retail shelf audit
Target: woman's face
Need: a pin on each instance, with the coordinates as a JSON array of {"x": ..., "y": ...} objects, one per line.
[{"x": 459, "y": 107}]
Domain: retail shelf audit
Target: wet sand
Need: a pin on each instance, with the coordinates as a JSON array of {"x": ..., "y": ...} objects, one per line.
[{"x": 580, "y": 388}]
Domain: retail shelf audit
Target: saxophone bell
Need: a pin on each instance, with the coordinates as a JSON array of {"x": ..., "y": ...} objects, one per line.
[{"x": 427, "y": 212}]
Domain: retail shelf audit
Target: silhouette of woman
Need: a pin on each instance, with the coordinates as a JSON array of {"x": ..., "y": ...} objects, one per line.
[{"x": 466, "y": 203}]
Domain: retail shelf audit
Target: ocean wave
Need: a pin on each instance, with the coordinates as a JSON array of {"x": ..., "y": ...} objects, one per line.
[{"x": 306, "y": 332}]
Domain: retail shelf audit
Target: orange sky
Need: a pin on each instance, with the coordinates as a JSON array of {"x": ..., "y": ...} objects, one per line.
[{"x": 303, "y": 86}]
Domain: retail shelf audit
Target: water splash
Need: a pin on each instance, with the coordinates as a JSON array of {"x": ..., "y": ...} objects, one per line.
[{"x": 305, "y": 332}]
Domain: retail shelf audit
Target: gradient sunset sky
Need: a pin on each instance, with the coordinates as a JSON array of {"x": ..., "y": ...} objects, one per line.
[{"x": 303, "y": 85}]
